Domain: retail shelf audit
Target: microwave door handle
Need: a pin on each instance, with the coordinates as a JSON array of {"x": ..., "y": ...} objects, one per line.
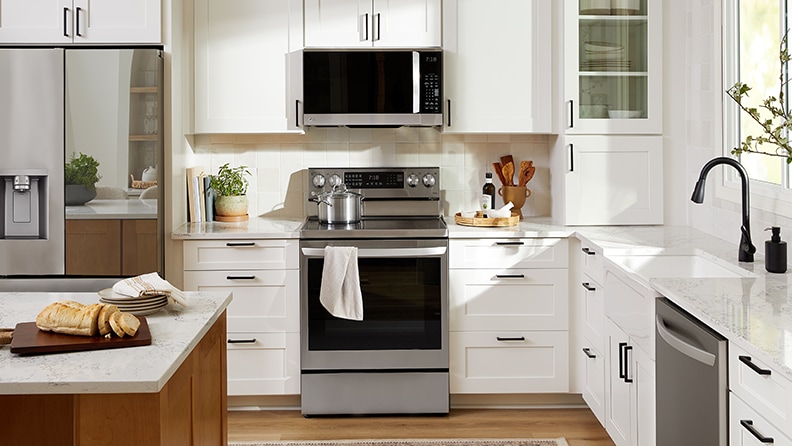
[{"x": 416, "y": 82}]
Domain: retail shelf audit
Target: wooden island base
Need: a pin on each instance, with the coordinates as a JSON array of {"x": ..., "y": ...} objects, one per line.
[{"x": 189, "y": 410}]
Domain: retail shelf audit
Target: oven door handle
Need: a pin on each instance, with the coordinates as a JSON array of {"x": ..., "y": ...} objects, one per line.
[{"x": 385, "y": 252}]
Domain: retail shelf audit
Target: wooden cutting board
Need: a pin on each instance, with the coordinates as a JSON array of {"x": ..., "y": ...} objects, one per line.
[{"x": 29, "y": 340}]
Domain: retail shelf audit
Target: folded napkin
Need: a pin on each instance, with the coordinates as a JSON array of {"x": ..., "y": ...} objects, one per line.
[
  {"x": 150, "y": 284},
  {"x": 340, "y": 291}
]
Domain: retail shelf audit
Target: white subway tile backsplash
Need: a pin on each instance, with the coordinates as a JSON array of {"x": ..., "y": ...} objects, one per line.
[{"x": 278, "y": 163}]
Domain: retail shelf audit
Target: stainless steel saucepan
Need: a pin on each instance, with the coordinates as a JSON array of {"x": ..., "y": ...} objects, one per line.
[{"x": 339, "y": 206}]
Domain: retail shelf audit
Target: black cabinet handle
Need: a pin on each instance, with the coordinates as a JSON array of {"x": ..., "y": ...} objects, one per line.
[
  {"x": 571, "y": 157},
  {"x": 77, "y": 19},
  {"x": 748, "y": 425},
  {"x": 509, "y": 243},
  {"x": 448, "y": 111},
  {"x": 236, "y": 244},
  {"x": 296, "y": 112},
  {"x": 627, "y": 379},
  {"x": 519, "y": 338},
  {"x": 571, "y": 113},
  {"x": 621, "y": 359},
  {"x": 242, "y": 341},
  {"x": 589, "y": 251},
  {"x": 588, "y": 353},
  {"x": 510, "y": 276},
  {"x": 747, "y": 361},
  {"x": 240, "y": 277},
  {"x": 65, "y": 22},
  {"x": 588, "y": 286}
]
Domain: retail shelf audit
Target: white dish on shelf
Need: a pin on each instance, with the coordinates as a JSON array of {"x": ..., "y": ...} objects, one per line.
[{"x": 624, "y": 114}]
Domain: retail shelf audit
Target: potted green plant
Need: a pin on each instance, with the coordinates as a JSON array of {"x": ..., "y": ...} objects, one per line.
[
  {"x": 81, "y": 173},
  {"x": 230, "y": 186}
]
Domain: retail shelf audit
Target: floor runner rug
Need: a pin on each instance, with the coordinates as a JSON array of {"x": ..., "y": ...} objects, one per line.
[{"x": 414, "y": 442}]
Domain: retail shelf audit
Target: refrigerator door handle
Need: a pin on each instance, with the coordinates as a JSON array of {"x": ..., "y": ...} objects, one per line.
[{"x": 683, "y": 347}]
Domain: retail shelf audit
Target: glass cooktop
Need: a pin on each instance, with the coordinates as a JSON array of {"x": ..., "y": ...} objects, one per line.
[{"x": 376, "y": 227}]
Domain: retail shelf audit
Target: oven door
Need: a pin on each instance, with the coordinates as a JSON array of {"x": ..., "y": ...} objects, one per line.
[{"x": 404, "y": 284}]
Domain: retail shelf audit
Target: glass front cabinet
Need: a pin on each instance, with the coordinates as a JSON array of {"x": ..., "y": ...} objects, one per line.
[{"x": 613, "y": 66}]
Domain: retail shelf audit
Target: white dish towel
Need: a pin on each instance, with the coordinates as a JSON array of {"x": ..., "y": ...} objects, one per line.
[
  {"x": 340, "y": 291},
  {"x": 149, "y": 284}
]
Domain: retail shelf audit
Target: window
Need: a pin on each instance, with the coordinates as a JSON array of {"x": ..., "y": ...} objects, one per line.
[{"x": 753, "y": 33}]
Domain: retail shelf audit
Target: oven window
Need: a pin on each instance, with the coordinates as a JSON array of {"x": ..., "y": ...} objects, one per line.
[{"x": 401, "y": 307}]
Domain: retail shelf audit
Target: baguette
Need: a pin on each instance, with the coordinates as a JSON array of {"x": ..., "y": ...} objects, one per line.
[
  {"x": 128, "y": 322},
  {"x": 115, "y": 325},
  {"x": 68, "y": 317},
  {"x": 104, "y": 318}
]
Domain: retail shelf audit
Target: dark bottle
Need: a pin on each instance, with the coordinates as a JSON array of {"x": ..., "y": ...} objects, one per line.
[
  {"x": 487, "y": 194},
  {"x": 775, "y": 252}
]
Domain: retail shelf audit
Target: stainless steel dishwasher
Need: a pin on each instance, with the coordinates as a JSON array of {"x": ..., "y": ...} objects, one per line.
[{"x": 692, "y": 388}]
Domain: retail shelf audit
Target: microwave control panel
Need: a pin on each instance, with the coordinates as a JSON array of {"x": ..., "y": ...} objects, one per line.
[{"x": 431, "y": 63}]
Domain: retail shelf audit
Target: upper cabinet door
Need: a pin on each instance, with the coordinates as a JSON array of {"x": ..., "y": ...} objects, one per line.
[
  {"x": 372, "y": 23},
  {"x": 497, "y": 70},
  {"x": 613, "y": 67},
  {"x": 80, "y": 21},
  {"x": 241, "y": 70}
]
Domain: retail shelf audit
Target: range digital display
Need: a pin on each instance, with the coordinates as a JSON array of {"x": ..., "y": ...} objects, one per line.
[{"x": 374, "y": 180}]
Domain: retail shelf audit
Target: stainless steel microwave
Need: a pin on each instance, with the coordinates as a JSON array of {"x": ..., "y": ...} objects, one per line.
[{"x": 372, "y": 88}]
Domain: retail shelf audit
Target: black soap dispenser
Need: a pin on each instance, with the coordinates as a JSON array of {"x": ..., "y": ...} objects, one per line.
[{"x": 775, "y": 252}]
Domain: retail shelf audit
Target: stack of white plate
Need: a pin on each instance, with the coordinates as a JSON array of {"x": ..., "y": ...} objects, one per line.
[
  {"x": 604, "y": 56},
  {"x": 139, "y": 306}
]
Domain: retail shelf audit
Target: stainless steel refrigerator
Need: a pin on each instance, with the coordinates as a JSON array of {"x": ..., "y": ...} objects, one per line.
[{"x": 53, "y": 102}]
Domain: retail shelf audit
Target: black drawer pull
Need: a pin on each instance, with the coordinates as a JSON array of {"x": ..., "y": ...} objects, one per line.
[
  {"x": 588, "y": 286},
  {"x": 747, "y": 361},
  {"x": 510, "y": 276},
  {"x": 519, "y": 338},
  {"x": 627, "y": 379},
  {"x": 240, "y": 277},
  {"x": 748, "y": 425},
  {"x": 235, "y": 244},
  {"x": 509, "y": 243},
  {"x": 242, "y": 341},
  {"x": 589, "y": 251},
  {"x": 622, "y": 373},
  {"x": 588, "y": 353}
]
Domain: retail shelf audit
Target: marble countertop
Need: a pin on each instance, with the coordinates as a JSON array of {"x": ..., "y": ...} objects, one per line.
[
  {"x": 114, "y": 209},
  {"x": 175, "y": 331},
  {"x": 254, "y": 228}
]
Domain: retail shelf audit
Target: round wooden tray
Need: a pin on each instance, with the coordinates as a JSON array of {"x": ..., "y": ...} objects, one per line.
[
  {"x": 478, "y": 220},
  {"x": 231, "y": 218}
]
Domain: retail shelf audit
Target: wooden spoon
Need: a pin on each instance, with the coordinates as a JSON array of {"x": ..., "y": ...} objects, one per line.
[
  {"x": 527, "y": 171},
  {"x": 508, "y": 159},
  {"x": 499, "y": 172},
  {"x": 508, "y": 174}
]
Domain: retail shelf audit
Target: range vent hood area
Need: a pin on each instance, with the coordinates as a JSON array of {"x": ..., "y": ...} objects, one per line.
[{"x": 370, "y": 88}]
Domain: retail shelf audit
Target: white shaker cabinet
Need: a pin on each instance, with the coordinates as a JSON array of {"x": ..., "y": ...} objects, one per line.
[
  {"x": 264, "y": 315},
  {"x": 372, "y": 23},
  {"x": 80, "y": 21},
  {"x": 508, "y": 315},
  {"x": 497, "y": 70},
  {"x": 607, "y": 180},
  {"x": 242, "y": 72},
  {"x": 591, "y": 305},
  {"x": 612, "y": 67}
]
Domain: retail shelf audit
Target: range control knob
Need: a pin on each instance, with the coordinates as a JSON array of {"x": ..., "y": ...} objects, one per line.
[
  {"x": 335, "y": 180},
  {"x": 318, "y": 180},
  {"x": 413, "y": 180},
  {"x": 429, "y": 180}
]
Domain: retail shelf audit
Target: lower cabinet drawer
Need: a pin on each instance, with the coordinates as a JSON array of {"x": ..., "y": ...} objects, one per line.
[
  {"x": 263, "y": 363},
  {"x": 593, "y": 379},
  {"x": 508, "y": 299},
  {"x": 761, "y": 386},
  {"x": 748, "y": 427},
  {"x": 263, "y": 300},
  {"x": 509, "y": 362}
]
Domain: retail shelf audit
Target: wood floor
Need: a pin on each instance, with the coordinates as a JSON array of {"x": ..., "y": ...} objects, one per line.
[{"x": 578, "y": 426}]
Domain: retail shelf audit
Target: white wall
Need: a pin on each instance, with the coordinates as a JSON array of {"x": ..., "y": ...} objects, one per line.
[{"x": 279, "y": 162}]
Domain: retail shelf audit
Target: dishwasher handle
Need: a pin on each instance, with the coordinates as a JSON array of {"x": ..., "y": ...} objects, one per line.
[{"x": 683, "y": 347}]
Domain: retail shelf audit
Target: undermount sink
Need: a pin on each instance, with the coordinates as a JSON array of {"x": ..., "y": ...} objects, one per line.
[{"x": 695, "y": 264}]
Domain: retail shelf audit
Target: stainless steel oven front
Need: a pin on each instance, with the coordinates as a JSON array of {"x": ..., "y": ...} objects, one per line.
[{"x": 396, "y": 359}]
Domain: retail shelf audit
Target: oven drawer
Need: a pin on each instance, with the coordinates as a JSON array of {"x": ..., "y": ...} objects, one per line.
[
  {"x": 508, "y": 299},
  {"x": 509, "y": 362},
  {"x": 263, "y": 363},
  {"x": 508, "y": 253},
  {"x": 241, "y": 254},
  {"x": 263, "y": 301}
]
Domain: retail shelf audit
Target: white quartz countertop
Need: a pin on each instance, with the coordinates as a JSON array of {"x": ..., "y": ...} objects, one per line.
[
  {"x": 254, "y": 228},
  {"x": 114, "y": 209},
  {"x": 175, "y": 331}
]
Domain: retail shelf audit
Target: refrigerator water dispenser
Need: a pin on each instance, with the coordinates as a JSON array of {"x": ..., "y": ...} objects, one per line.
[{"x": 24, "y": 206}]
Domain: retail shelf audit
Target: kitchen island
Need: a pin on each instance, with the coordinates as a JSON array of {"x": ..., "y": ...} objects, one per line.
[{"x": 172, "y": 392}]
